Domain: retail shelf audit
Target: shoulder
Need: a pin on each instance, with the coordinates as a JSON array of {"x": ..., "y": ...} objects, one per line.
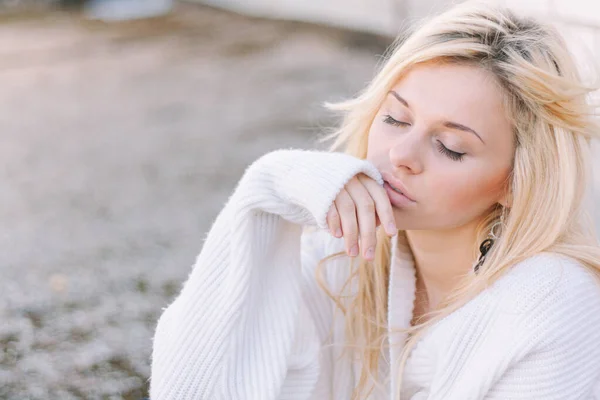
[
  {"x": 547, "y": 274},
  {"x": 550, "y": 289}
]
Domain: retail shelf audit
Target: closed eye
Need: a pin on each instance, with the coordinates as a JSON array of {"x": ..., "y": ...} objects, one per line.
[
  {"x": 451, "y": 154},
  {"x": 391, "y": 121}
]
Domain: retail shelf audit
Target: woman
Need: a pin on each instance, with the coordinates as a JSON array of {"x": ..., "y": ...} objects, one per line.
[{"x": 452, "y": 258}]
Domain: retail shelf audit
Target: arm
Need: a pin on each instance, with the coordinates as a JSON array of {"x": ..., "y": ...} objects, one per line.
[{"x": 230, "y": 332}]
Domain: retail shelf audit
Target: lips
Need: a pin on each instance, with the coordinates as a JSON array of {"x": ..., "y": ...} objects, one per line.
[
  {"x": 396, "y": 185},
  {"x": 396, "y": 189}
]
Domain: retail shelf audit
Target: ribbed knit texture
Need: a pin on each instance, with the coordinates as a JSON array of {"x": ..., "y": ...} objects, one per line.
[{"x": 251, "y": 321}]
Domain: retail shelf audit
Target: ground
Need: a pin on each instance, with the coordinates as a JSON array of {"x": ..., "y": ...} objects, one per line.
[{"x": 120, "y": 144}]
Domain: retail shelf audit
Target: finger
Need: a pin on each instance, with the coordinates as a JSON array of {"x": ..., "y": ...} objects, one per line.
[
  {"x": 365, "y": 211},
  {"x": 333, "y": 221},
  {"x": 383, "y": 206},
  {"x": 347, "y": 212}
]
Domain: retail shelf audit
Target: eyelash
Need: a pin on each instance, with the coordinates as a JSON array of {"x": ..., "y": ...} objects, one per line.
[
  {"x": 389, "y": 120},
  {"x": 452, "y": 154},
  {"x": 441, "y": 148}
]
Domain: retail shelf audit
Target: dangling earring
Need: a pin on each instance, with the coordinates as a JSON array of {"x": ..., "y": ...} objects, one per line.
[{"x": 487, "y": 244}]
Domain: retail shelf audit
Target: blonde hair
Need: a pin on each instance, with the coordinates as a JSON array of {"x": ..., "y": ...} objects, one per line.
[{"x": 553, "y": 124}]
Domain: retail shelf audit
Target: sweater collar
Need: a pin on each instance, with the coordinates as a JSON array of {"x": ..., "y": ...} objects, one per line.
[{"x": 401, "y": 298}]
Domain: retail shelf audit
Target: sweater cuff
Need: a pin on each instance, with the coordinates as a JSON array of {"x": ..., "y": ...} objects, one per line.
[{"x": 313, "y": 179}]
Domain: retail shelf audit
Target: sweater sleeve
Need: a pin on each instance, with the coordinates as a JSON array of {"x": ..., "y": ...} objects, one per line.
[{"x": 241, "y": 328}]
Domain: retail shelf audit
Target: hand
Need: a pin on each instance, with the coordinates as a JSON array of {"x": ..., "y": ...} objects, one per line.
[{"x": 361, "y": 197}]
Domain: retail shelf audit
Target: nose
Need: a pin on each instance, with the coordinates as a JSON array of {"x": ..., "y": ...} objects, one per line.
[{"x": 406, "y": 152}]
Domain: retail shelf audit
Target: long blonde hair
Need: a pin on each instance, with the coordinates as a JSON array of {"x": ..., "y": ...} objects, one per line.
[{"x": 553, "y": 124}]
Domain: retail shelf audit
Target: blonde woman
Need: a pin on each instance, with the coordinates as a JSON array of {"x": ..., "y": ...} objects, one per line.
[{"x": 444, "y": 254}]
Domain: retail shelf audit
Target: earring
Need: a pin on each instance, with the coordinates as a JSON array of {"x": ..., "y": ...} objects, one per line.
[{"x": 487, "y": 244}]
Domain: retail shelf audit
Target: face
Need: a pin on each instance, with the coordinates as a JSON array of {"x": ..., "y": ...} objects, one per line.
[{"x": 442, "y": 137}]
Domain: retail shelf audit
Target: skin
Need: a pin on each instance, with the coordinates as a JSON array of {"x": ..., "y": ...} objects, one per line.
[{"x": 432, "y": 105}]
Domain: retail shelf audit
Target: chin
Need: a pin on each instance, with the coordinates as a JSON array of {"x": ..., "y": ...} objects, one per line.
[{"x": 406, "y": 224}]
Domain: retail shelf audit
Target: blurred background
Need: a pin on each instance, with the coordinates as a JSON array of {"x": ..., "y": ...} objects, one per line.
[{"x": 124, "y": 127}]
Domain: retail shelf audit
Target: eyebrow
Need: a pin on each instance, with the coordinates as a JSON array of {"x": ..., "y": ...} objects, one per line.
[{"x": 448, "y": 124}]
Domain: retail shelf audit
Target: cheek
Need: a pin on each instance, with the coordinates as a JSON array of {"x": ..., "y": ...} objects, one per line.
[
  {"x": 467, "y": 193},
  {"x": 377, "y": 147},
  {"x": 376, "y": 139}
]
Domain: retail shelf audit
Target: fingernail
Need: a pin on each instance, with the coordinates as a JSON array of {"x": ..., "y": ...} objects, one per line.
[
  {"x": 391, "y": 228},
  {"x": 338, "y": 232},
  {"x": 354, "y": 251},
  {"x": 370, "y": 252}
]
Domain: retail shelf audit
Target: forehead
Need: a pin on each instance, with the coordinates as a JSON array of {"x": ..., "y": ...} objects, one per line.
[{"x": 465, "y": 94}]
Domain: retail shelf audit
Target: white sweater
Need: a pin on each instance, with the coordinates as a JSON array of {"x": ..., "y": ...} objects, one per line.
[{"x": 252, "y": 323}]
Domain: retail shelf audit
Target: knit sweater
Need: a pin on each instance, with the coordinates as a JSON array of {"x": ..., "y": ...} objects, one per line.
[{"x": 251, "y": 321}]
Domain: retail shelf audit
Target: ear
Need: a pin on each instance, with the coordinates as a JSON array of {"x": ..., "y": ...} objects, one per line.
[
  {"x": 506, "y": 200},
  {"x": 506, "y": 197}
]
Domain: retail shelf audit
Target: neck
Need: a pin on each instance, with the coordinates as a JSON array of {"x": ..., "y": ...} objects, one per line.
[{"x": 442, "y": 258}]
